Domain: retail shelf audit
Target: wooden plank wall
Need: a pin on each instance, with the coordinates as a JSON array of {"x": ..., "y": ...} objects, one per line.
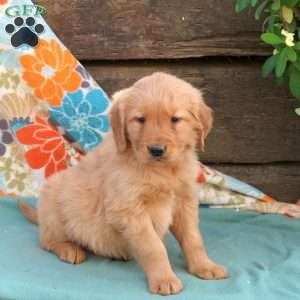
[{"x": 256, "y": 135}]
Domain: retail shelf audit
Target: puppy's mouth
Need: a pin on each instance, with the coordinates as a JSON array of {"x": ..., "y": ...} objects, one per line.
[
  {"x": 161, "y": 160},
  {"x": 158, "y": 159}
]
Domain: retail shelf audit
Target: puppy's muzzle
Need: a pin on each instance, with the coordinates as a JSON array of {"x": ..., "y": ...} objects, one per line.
[{"x": 157, "y": 150}]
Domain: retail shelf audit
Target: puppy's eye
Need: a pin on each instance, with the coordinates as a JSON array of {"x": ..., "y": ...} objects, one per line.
[
  {"x": 175, "y": 120},
  {"x": 141, "y": 120}
]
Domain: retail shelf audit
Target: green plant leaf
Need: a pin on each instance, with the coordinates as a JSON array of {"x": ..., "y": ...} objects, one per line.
[
  {"x": 271, "y": 38},
  {"x": 253, "y": 2},
  {"x": 240, "y": 5},
  {"x": 260, "y": 9},
  {"x": 293, "y": 26},
  {"x": 280, "y": 80},
  {"x": 291, "y": 54},
  {"x": 277, "y": 28},
  {"x": 269, "y": 66},
  {"x": 281, "y": 62},
  {"x": 290, "y": 3},
  {"x": 272, "y": 24},
  {"x": 297, "y": 111},
  {"x": 296, "y": 64},
  {"x": 287, "y": 14},
  {"x": 297, "y": 46},
  {"x": 276, "y": 5},
  {"x": 294, "y": 82}
]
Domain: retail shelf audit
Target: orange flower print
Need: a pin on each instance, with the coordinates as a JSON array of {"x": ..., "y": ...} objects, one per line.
[
  {"x": 49, "y": 149},
  {"x": 51, "y": 71},
  {"x": 2, "y": 2}
]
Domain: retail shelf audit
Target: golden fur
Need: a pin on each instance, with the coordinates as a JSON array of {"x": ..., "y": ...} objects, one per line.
[{"x": 120, "y": 201}]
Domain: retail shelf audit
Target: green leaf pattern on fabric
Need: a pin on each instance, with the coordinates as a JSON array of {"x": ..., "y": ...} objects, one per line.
[
  {"x": 9, "y": 80},
  {"x": 14, "y": 173}
]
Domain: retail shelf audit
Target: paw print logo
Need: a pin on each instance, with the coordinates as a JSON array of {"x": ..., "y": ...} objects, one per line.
[{"x": 24, "y": 32}]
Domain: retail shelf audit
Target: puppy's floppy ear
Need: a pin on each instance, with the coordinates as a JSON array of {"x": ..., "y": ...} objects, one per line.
[
  {"x": 204, "y": 117},
  {"x": 117, "y": 119}
]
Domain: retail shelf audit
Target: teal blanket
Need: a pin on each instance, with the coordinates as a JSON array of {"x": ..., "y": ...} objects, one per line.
[{"x": 261, "y": 252}]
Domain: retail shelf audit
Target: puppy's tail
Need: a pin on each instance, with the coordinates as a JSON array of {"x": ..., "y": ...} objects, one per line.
[{"x": 29, "y": 212}]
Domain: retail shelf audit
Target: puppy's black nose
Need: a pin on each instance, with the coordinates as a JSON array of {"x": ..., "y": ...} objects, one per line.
[{"x": 157, "y": 150}]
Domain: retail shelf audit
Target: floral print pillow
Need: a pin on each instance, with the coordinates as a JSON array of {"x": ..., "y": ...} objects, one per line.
[
  {"x": 51, "y": 110},
  {"x": 83, "y": 117}
]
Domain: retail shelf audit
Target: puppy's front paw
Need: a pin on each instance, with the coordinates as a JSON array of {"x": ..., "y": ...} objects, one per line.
[
  {"x": 167, "y": 285},
  {"x": 210, "y": 271}
]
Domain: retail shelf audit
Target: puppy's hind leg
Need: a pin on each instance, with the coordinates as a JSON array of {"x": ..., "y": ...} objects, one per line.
[
  {"x": 66, "y": 251},
  {"x": 54, "y": 239}
]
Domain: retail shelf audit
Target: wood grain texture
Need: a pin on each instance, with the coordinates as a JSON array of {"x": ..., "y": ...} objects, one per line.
[
  {"x": 148, "y": 29},
  {"x": 278, "y": 180},
  {"x": 254, "y": 119}
]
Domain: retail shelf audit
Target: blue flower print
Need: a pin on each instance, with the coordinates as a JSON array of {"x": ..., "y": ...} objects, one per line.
[{"x": 83, "y": 117}]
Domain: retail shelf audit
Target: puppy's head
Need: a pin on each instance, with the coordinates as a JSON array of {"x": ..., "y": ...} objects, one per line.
[{"x": 159, "y": 118}]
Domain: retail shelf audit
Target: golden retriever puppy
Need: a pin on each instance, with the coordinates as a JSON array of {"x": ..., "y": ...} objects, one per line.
[{"x": 124, "y": 196}]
